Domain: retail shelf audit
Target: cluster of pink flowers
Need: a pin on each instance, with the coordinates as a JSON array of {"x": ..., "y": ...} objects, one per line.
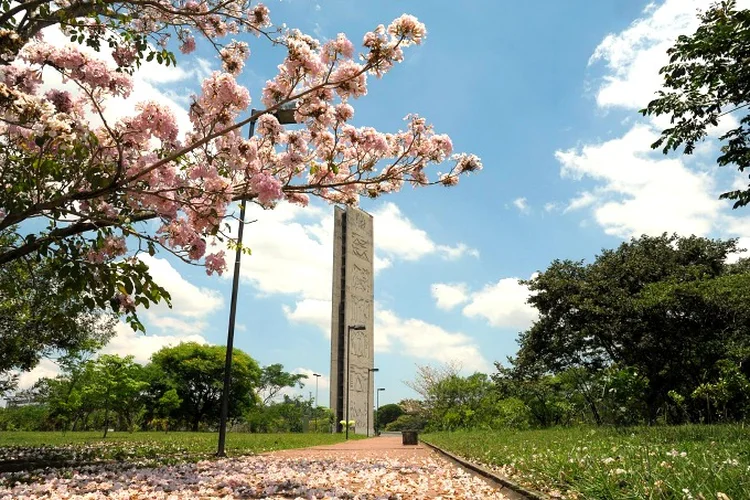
[
  {"x": 233, "y": 57},
  {"x": 79, "y": 67},
  {"x": 109, "y": 248},
  {"x": 142, "y": 166}
]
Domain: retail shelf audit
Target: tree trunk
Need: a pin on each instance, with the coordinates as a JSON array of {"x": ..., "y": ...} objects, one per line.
[{"x": 106, "y": 422}]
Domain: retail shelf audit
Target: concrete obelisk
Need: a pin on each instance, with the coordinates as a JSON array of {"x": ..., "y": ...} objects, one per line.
[{"x": 352, "y": 305}]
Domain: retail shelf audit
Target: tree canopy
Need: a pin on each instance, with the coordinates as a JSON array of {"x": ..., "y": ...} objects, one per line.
[
  {"x": 89, "y": 192},
  {"x": 707, "y": 79},
  {"x": 196, "y": 373},
  {"x": 668, "y": 307},
  {"x": 39, "y": 318}
]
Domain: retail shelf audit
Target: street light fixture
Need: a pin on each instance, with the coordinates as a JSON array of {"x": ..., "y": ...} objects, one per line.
[
  {"x": 317, "y": 377},
  {"x": 377, "y": 410},
  {"x": 369, "y": 371},
  {"x": 285, "y": 116},
  {"x": 348, "y": 380}
]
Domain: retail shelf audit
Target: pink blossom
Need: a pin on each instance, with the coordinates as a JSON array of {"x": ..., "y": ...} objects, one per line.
[
  {"x": 23, "y": 78},
  {"x": 188, "y": 44},
  {"x": 341, "y": 46},
  {"x": 344, "y": 112},
  {"x": 468, "y": 163},
  {"x": 267, "y": 188},
  {"x": 259, "y": 16},
  {"x": 124, "y": 55},
  {"x": 233, "y": 57},
  {"x": 407, "y": 29},
  {"x": 60, "y": 99},
  {"x": 126, "y": 303},
  {"x": 350, "y": 80},
  {"x": 215, "y": 263}
]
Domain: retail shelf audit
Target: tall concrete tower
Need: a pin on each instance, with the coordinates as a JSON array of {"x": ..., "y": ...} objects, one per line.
[{"x": 353, "y": 306}]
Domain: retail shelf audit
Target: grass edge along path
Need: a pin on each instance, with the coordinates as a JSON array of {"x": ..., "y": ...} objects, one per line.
[
  {"x": 689, "y": 462},
  {"x": 519, "y": 490}
]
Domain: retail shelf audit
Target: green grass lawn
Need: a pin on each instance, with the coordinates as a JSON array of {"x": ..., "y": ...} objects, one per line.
[
  {"x": 151, "y": 447},
  {"x": 601, "y": 463}
]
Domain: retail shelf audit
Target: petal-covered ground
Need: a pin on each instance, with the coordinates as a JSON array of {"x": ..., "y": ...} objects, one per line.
[{"x": 332, "y": 477}]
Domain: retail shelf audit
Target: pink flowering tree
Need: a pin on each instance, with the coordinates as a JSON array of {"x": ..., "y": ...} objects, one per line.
[{"x": 89, "y": 194}]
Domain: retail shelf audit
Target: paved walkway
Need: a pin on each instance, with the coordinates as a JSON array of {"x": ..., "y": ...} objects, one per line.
[{"x": 381, "y": 467}]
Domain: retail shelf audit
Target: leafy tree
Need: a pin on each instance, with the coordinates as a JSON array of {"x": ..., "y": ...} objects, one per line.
[
  {"x": 115, "y": 386},
  {"x": 387, "y": 414},
  {"x": 273, "y": 379},
  {"x": 462, "y": 402},
  {"x": 707, "y": 78},
  {"x": 40, "y": 318},
  {"x": 196, "y": 372},
  {"x": 428, "y": 376},
  {"x": 407, "y": 422},
  {"x": 544, "y": 401},
  {"x": 667, "y": 307},
  {"x": 87, "y": 192}
]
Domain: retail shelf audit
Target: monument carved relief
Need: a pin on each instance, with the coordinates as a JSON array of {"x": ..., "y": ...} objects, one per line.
[
  {"x": 361, "y": 281},
  {"x": 361, "y": 247},
  {"x": 358, "y": 220},
  {"x": 361, "y": 309},
  {"x": 360, "y": 346},
  {"x": 359, "y": 379}
]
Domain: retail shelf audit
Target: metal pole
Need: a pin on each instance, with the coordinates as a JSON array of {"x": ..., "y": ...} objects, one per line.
[
  {"x": 348, "y": 349},
  {"x": 230, "y": 338},
  {"x": 368, "y": 402},
  {"x": 317, "y": 377},
  {"x": 230, "y": 332},
  {"x": 369, "y": 397},
  {"x": 377, "y": 410}
]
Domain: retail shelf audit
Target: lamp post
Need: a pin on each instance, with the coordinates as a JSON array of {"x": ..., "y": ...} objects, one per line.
[
  {"x": 317, "y": 377},
  {"x": 377, "y": 406},
  {"x": 285, "y": 116},
  {"x": 369, "y": 371},
  {"x": 348, "y": 380}
]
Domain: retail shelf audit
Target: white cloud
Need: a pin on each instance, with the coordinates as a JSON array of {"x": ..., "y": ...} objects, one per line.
[
  {"x": 744, "y": 244},
  {"x": 292, "y": 249},
  {"x": 449, "y": 296},
  {"x": 308, "y": 388},
  {"x": 141, "y": 346},
  {"x": 397, "y": 236},
  {"x": 582, "y": 200},
  {"x": 323, "y": 381},
  {"x": 634, "y": 56},
  {"x": 503, "y": 305},
  {"x": 551, "y": 207},
  {"x": 422, "y": 340},
  {"x": 638, "y": 190},
  {"x": 45, "y": 368},
  {"x": 187, "y": 299},
  {"x": 410, "y": 336},
  {"x": 522, "y": 205},
  {"x": 311, "y": 311},
  {"x": 642, "y": 192}
]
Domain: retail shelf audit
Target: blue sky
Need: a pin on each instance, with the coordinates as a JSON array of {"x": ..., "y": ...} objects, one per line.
[{"x": 546, "y": 93}]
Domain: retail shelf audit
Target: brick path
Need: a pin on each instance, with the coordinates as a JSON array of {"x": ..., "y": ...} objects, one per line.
[{"x": 381, "y": 467}]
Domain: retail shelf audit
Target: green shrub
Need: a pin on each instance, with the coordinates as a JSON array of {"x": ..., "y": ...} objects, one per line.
[{"x": 407, "y": 423}]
